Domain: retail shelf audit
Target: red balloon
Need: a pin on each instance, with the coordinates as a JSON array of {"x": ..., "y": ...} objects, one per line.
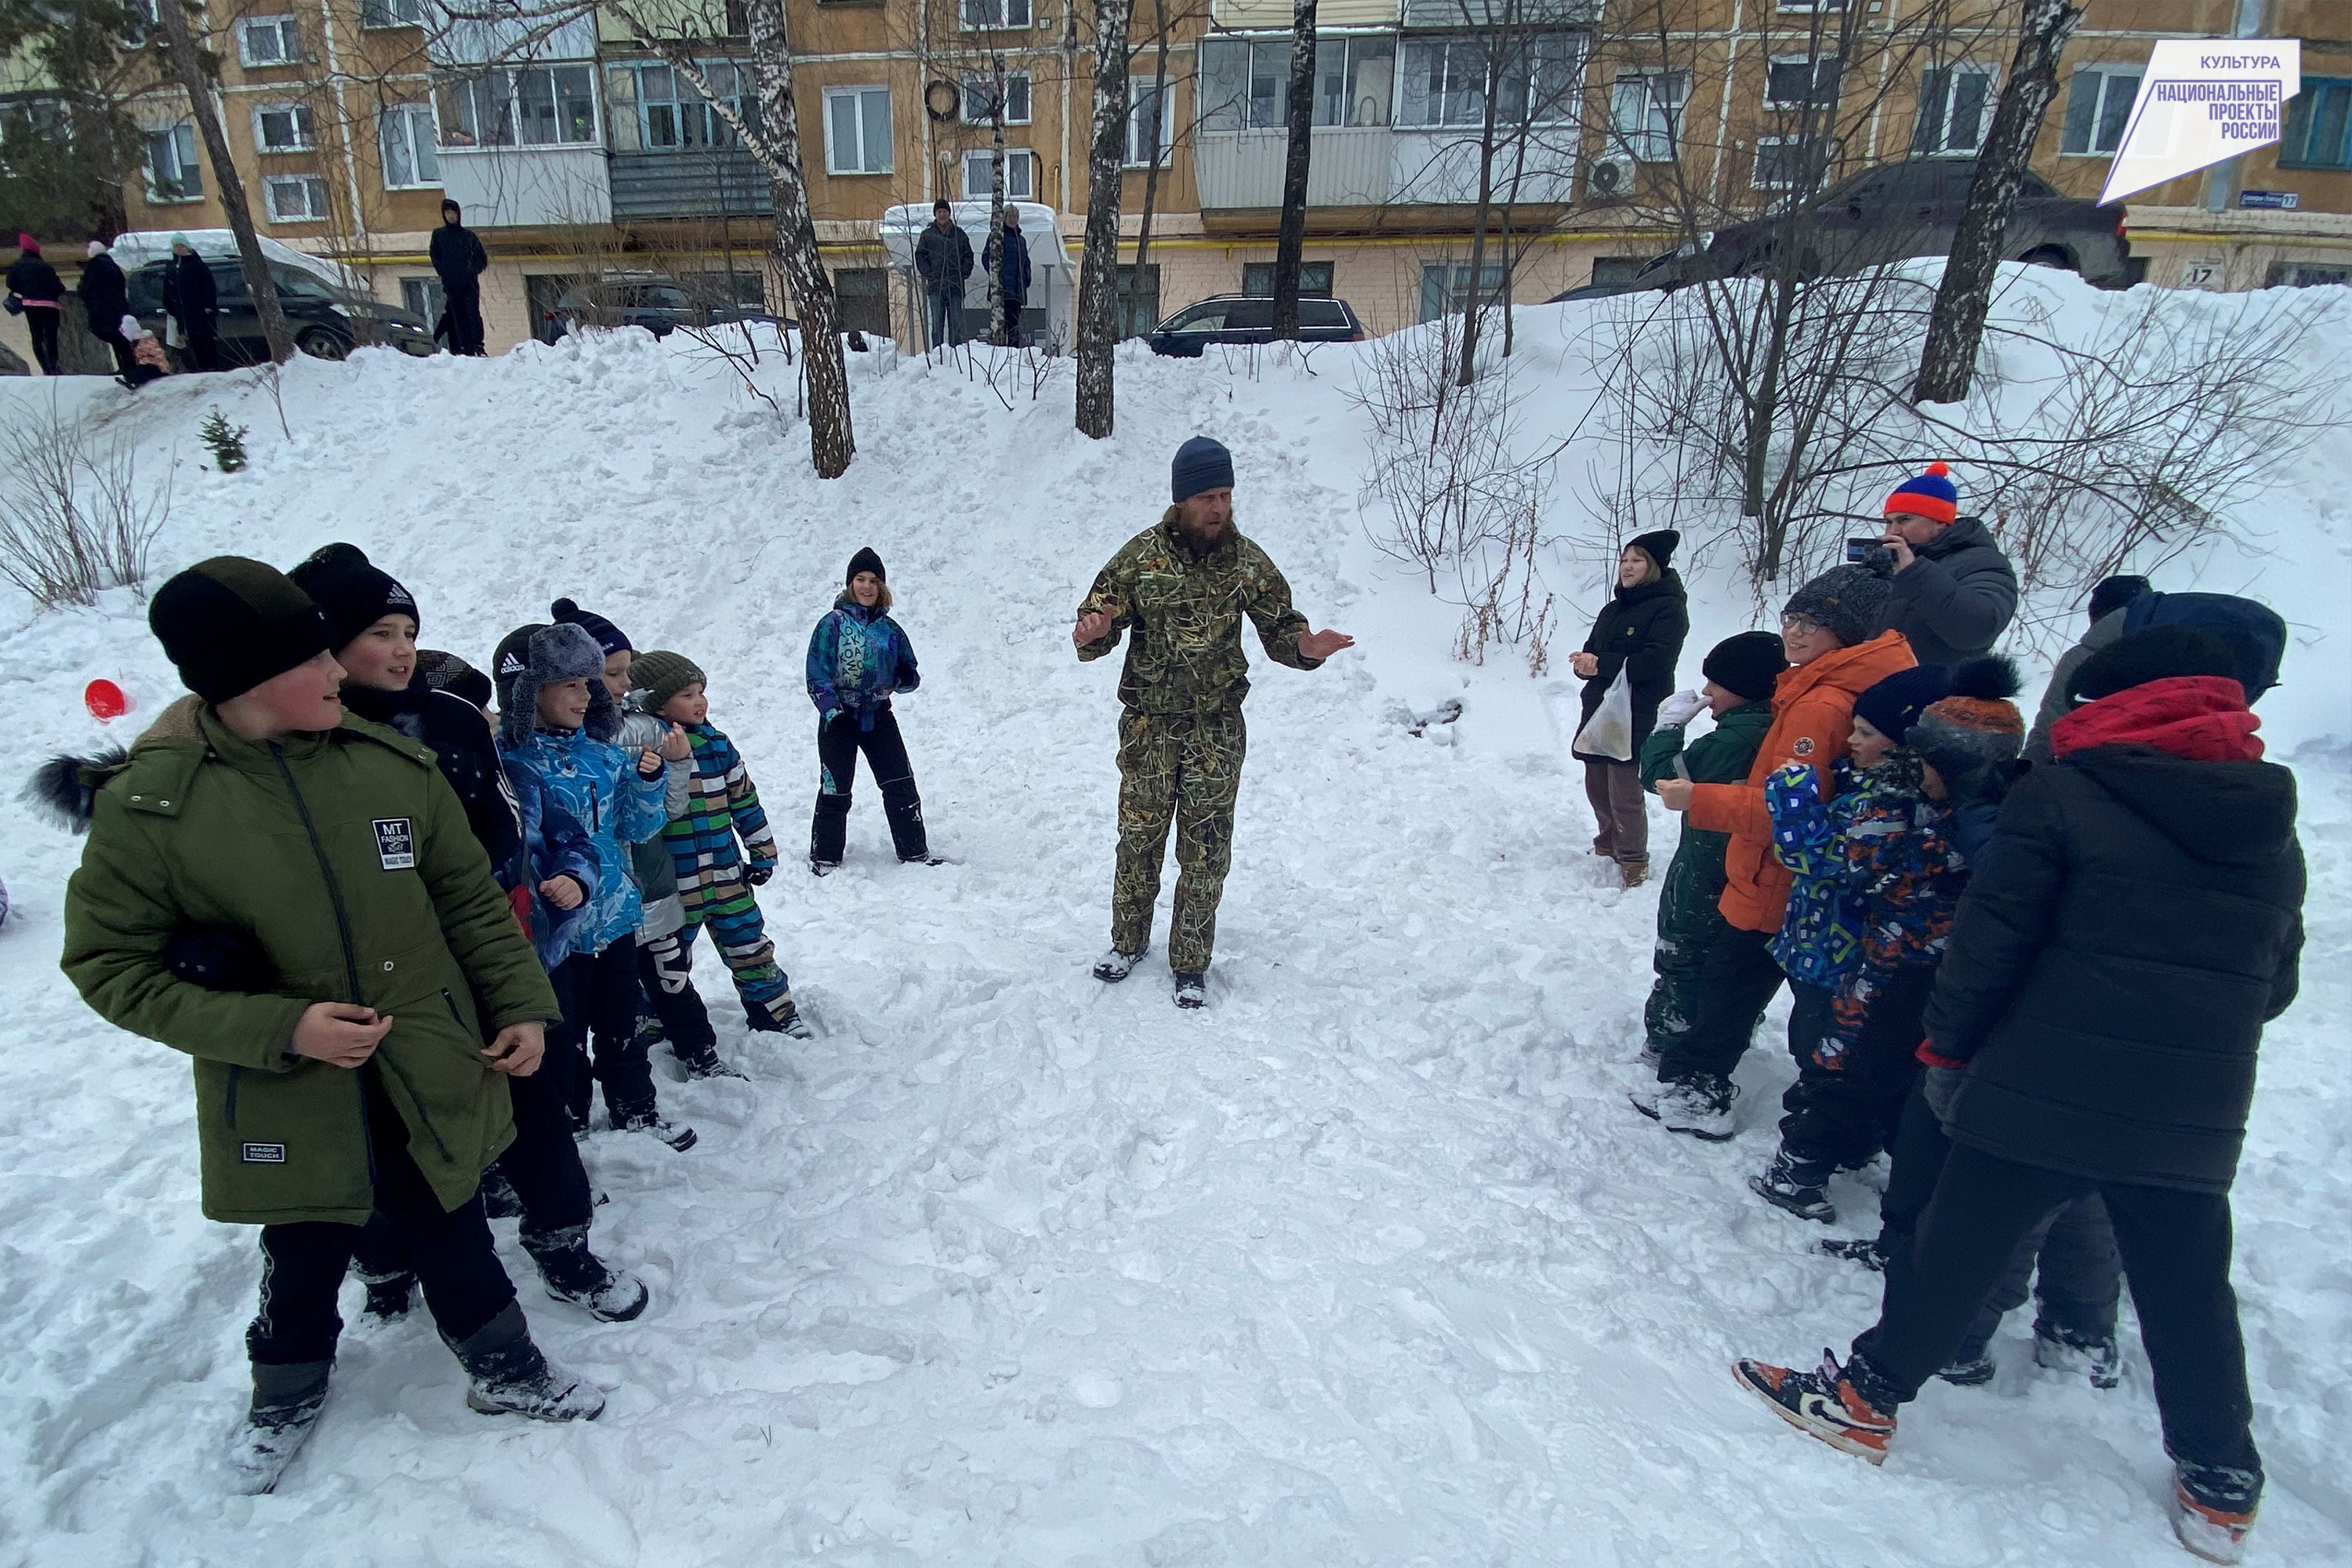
[{"x": 105, "y": 700}]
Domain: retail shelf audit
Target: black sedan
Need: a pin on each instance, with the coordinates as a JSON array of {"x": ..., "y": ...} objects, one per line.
[
  {"x": 1249, "y": 319},
  {"x": 327, "y": 323}
]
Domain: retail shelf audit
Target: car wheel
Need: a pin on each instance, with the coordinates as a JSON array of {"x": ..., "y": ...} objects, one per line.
[
  {"x": 321, "y": 343},
  {"x": 2049, "y": 255}
]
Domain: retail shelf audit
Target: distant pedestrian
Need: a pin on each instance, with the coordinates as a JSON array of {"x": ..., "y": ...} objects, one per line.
[
  {"x": 36, "y": 293},
  {"x": 105, "y": 301},
  {"x": 1636, "y": 638},
  {"x": 1955, "y": 591},
  {"x": 1008, "y": 258},
  {"x": 191, "y": 300},
  {"x": 458, "y": 258},
  {"x": 942, "y": 262}
]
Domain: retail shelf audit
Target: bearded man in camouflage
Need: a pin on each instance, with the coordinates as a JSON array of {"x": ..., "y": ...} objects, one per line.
[{"x": 1183, "y": 586}]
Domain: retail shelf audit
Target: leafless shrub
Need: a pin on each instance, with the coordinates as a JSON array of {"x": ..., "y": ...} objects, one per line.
[{"x": 74, "y": 518}]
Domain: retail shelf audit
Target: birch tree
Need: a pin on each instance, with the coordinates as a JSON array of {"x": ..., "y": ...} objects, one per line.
[{"x": 1097, "y": 327}]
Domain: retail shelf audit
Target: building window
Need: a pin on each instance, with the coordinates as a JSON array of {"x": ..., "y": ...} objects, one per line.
[
  {"x": 404, "y": 130},
  {"x": 1800, "y": 81},
  {"x": 422, "y": 297},
  {"x": 173, "y": 173},
  {"x": 391, "y": 13},
  {"x": 284, "y": 128},
  {"x": 993, "y": 16},
  {"x": 979, "y": 97},
  {"x": 1139, "y": 298},
  {"x": 2098, "y": 106},
  {"x": 1790, "y": 163},
  {"x": 858, "y": 131},
  {"x": 2318, "y": 126},
  {"x": 1244, "y": 84},
  {"x": 2305, "y": 275},
  {"x": 1955, "y": 110},
  {"x": 1445, "y": 81},
  {"x": 1150, "y": 122},
  {"x": 1645, "y": 115},
  {"x": 1445, "y": 287},
  {"x": 268, "y": 41},
  {"x": 1314, "y": 278},
  {"x": 519, "y": 106},
  {"x": 296, "y": 199},
  {"x": 1020, "y": 175},
  {"x": 1810, "y": 6},
  {"x": 655, "y": 108}
]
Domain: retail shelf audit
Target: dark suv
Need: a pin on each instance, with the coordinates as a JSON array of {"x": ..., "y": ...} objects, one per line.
[
  {"x": 659, "y": 304},
  {"x": 1249, "y": 319},
  {"x": 1901, "y": 210},
  {"x": 327, "y": 323}
]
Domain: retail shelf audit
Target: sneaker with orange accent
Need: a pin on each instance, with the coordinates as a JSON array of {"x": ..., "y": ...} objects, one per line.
[
  {"x": 1824, "y": 1404},
  {"x": 2213, "y": 1506}
]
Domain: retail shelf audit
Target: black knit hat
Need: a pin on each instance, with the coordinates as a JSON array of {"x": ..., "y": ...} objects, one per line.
[
  {"x": 864, "y": 561},
  {"x": 1658, "y": 545},
  {"x": 609, "y": 637},
  {"x": 662, "y": 675},
  {"x": 355, "y": 593},
  {"x": 1893, "y": 704},
  {"x": 229, "y": 624},
  {"x": 2157, "y": 654},
  {"x": 1747, "y": 665},
  {"x": 446, "y": 672},
  {"x": 2112, "y": 594},
  {"x": 1848, "y": 600}
]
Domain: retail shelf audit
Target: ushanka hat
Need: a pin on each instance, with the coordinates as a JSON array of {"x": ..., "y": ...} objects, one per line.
[{"x": 532, "y": 657}]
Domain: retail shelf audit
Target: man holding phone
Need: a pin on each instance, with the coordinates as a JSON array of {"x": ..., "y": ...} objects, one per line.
[{"x": 1955, "y": 591}]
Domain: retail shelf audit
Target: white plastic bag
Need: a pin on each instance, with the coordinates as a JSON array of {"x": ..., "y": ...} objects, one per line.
[{"x": 1609, "y": 731}]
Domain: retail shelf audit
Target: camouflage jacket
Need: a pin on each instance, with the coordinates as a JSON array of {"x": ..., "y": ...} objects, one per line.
[{"x": 1186, "y": 609}]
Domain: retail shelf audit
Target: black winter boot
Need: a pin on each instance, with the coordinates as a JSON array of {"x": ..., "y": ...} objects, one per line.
[
  {"x": 576, "y": 1275},
  {"x": 498, "y": 1200},
  {"x": 903, "y": 807},
  {"x": 511, "y": 1377},
  {"x": 781, "y": 1017},
  {"x": 388, "y": 1295},
  {"x": 1971, "y": 1365},
  {"x": 1798, "y": 1185},
  {"x": 285, "y": 1405}
]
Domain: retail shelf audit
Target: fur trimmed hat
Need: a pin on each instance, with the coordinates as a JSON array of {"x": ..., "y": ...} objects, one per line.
[
  {"x": 354, "y": 590},
  {"x": 530, "y": 657},
  {"x": 1748, "y": 665},
  {"x": 1932, "y": 496},
  {"x": 1848, "y": 600},
  {"x": 662, "y": 675},
  {"x": 609, "y": 637},
  {"x": 1975, "y": 726}
]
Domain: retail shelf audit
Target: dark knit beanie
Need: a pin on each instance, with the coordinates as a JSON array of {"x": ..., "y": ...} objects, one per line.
[
  {"x": 447, "y": 672},
  {"x": 355, "y": 593},
  {"x": 2113, "y": 593},
  {"x": 1748, "y": 666},
  {"x": 2158, "y": 653},
  {"x": 609, "y": 637},
  {"x": 1849, "y": 600},
  {"x": 1202, "y": 464},
  {"x": 229, "y": 624},
  {"x": 1977, "y": 724},
  {"x": 1893, "y": 705},
  {"x": 864, "y": 561},
  {"x": 661, "y": 676},
  {"x": 1658, "y": 545}
]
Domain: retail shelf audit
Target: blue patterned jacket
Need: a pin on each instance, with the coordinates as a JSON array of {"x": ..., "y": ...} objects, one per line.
[
  {"x": 597, "y": 786},
  {"x": 1820, "y": 939},
  {"x": 858, "y": 656}
]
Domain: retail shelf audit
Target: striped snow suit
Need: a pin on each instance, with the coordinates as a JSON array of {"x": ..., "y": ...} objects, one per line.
[{"x": 722, "y": 807}]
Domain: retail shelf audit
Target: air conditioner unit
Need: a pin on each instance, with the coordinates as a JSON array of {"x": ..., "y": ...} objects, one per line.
[{"x": 1609, "y": 179}]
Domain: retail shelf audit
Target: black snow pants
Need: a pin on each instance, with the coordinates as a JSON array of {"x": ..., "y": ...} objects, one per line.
[
  {"x": 1843, "y": 1113},
  {"x": 1735, "y": 987},
  {"x": 666, "y": 971},
  {"x": 599, "y": 995},
  {"x": 837, "y": 745}
]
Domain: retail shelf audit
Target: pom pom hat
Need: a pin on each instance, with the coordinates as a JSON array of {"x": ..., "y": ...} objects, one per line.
[
  {"x": 1931, "y": 496},
  {"x": 1976, "y": 725}
]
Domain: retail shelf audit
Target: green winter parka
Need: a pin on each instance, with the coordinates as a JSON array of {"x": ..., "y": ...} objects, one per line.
[
  {"x": 1186, "y": 608},
  {"x": 347, "y": 858},
  {"x": 1723, "y": 755}
]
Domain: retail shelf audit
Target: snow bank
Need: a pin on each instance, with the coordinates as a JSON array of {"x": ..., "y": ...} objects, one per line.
[{"x": 1369, "y": 1263}]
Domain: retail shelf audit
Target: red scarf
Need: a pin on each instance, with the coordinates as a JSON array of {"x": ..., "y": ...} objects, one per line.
[{"x": 2196, "y": 717}]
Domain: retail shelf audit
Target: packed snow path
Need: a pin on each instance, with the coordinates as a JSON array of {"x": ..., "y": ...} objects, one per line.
[{"x": 1369, "y": 1263}]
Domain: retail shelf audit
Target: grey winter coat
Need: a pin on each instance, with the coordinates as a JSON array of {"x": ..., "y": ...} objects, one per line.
[
  {"x": 650, "y": 862},
  {"x": 1956, "y": 599},
  {"x": 942, "y": 260}
]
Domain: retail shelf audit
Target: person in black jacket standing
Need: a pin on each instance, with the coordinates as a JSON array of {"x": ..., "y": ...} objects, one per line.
[
  {"x": 1008, "y": 255},
  {"x": 1640, "y": 633},
  {"x": 2135, "y": 922},
  {"x": 40, "y": 295},
  {"x": 1955, "y": 591},
  {"x": 192, "y": 300},
  {"x": 459, "y": 259},
  {"x": 942, "y": 262},
  {"x": 105, "y": 301}
]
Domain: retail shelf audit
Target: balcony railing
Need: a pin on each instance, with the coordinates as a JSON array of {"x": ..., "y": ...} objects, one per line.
[
  {"x": 697, "y": 183},
  {"x": 1370, "y": 167}
]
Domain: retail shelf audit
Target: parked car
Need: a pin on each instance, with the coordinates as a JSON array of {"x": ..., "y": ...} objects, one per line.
[
  {"x": 1591, "y": 292},
  {"x": 327, "y": 323},
  {"x": 658, "y": 303},
  {"x": 1249, "y": 319},
  {"x": 1901, "y": 210}
]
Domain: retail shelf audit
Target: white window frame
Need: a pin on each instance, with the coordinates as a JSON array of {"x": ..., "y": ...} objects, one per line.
[
  {"x": 300, "y": 118},
  {"x": 993, "y": 16},
  {"x": 975, "y": 86},
  {"x": 975, "y": 174},
  {"x": 413, "y": 122},
  {"x": 1813, "y": 101},
  {"x": 380, "y": 13},
  {"x": 314, "y": 211},
  {"x": 451, "y": 86},
  {"x": 630, "y": 105},
  {"x": 1634, "y": 127},
  {"x": 277, "y": 27},
  {"x": 1410, "y": 60},
  {"x": 185, "y": 158},
  {"x": 1139, "y": 97},
  {"x": 834, "y": 164},
  {"x": 2108, "y": 72},
  {"x": 1808, "y": 6},
  {"x": 1952, "y": 71}
]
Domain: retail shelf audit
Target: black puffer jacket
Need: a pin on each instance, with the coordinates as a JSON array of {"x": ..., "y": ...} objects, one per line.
[
  {"x": 1640, "y": 631},
  {"x": 1954, "y": 601},
  {"x": 2134, "y": 923},
  {"x": 105, "y": 294},
  {"x": 469, "y": 758},
  {"x": 31, "y": 278},
  {"x": 191, "y": 295}
]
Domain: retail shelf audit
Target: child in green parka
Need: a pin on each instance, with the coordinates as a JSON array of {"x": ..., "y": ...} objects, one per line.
[{"x": 1740, "y": 674}]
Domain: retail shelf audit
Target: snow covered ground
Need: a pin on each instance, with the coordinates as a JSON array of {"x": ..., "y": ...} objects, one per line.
[{"x": 1369, "y": 1263}]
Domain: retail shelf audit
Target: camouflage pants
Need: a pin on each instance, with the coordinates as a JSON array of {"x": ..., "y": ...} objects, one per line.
[{"x": 1185, "y": 767}]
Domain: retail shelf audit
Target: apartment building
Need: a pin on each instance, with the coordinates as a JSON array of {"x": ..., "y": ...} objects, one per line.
[{"x": 580, "y": 151}]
